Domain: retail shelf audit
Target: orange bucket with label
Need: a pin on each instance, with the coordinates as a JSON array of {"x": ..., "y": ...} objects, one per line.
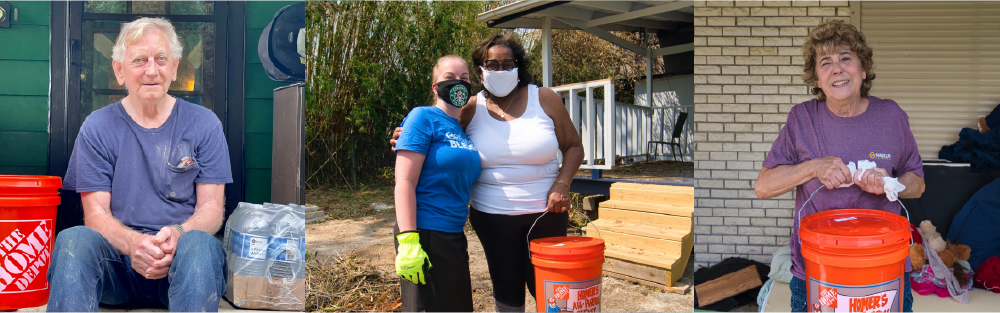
[
  {"x": 567, "y": 273},
  {"x": 27, "y": 225},
  {"x": 855, "y": 260}
]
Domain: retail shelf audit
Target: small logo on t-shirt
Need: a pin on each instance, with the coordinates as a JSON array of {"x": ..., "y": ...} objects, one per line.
[
  {"x": 879, "y": 156},
  {"x": 457, "y": 141}
]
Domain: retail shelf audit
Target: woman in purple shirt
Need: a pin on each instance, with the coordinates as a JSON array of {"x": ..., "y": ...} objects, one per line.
[{"x": 843, "y": 124}]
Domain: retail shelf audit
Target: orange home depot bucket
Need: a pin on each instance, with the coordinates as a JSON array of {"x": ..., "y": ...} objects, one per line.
[
  {"x": 27, "y": 222},
  {"x": 855, "y": 260},
  {"x": 567, "y": 273}
]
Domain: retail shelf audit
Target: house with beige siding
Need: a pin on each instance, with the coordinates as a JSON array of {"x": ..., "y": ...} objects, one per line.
[{"x": 939, "y": 60}]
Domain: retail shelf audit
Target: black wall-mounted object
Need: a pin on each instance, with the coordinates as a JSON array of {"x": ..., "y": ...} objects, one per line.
[
  {"x": 5, "y": 14},
  {"x": 278, "y": 44}
]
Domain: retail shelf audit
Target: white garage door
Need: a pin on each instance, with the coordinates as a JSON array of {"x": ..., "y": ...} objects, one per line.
[{"x": 939, "y": 60}]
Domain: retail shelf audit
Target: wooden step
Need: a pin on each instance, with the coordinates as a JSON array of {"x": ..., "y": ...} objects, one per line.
[
  {"x": 681, "y": 198},
  {"x": 671, "y": 256},
  {"x": 617, "y": 226},
  {"x": 653, "y": 248},
  {"x": 658, "y": 208},
  {"x": 652, "y": 276},
  {"x": 637, "y": 271},
  {"x": 663, "y": 221},
  {"x": 664, "y": 271},
  {"x": 652, "y": 187}
]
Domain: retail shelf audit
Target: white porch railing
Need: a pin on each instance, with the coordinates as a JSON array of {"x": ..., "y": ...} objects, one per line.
[
  {"x": 598, "y": 141},
  {"x": 635, "y": 125}
]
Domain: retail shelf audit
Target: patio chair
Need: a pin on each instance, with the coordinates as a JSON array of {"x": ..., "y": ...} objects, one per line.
[{"x": 675, "y": 141}]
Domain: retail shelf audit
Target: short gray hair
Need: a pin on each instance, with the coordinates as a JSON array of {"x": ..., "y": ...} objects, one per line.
[{"x": 133, "y": 31}]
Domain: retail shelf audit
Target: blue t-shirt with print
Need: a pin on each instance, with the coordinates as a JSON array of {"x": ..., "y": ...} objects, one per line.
[
  {"x": 150, "y": 172},
  {"x": 450, "y": 168}
]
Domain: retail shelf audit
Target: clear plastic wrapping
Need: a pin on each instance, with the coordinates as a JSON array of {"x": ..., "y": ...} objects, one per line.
[{"x": 265, "y": 249}]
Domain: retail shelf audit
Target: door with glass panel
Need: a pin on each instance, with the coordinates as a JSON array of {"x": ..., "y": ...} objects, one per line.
[{"x": 196, "y": 25}]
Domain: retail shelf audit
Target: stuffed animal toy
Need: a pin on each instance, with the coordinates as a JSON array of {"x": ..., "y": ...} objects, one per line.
[
  {"x": 933, "y": 237},
  {"x": 961, "y": 252},
  {"x": 917, "y": 258}
]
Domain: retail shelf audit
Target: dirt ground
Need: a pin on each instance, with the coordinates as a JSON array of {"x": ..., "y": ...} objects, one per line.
[{"x": 370, "y": 237}]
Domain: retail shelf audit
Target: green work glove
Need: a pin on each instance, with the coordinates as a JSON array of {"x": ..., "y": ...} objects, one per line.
[{"x": 410, "y": 257}]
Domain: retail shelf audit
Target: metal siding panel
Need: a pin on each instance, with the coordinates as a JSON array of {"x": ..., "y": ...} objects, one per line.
[
  {"x": 32, "y": 78},
  {"x": 31, "y": 13},
  {"x": 24, "y": 149},
  {"x": 25, "y": 43},
  {"x": 24, "y": 113},
  {"x": 939, "y": 60},
  {"x": 258, "y": 150}
]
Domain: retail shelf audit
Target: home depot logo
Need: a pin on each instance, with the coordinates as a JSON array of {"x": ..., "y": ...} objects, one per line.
[
  {"x": 828, "y": 296},
  {"x": 24, "y": 255},
  {"x": 879, "y": 156},
  {"x": 561, "y": 292}
]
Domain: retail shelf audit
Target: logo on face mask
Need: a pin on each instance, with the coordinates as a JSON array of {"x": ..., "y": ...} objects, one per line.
[{"x": 454, "y": 92}]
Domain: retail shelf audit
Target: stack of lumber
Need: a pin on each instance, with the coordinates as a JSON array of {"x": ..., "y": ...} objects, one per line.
[{"x": 647, "y": 231}]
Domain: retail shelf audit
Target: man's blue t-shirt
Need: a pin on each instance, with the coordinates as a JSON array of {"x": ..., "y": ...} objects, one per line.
[
  {"x": 450, "y": 168},
  {"x": 151, "y": 173}
]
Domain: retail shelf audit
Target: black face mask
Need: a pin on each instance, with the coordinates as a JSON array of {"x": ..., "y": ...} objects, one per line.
[{"x": 455, "y": 92}]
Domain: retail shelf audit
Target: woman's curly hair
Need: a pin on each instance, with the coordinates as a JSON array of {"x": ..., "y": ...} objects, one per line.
[
  {"x": 508, "y": 40},
  {"x": 829, "y": 36}
]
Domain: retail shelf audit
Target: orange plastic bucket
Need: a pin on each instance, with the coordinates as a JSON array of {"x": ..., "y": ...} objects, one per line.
[
  {"x": 855, "y": 260},
  {"x": 568, "y": 273},
  {"x": 27, "y": 222}
]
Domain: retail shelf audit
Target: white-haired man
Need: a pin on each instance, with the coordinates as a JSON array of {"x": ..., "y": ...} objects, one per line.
[{"x": 150, "y": 170}]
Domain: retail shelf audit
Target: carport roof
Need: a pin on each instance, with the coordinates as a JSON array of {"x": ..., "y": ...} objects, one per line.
[{"x": 630, "y": 16}]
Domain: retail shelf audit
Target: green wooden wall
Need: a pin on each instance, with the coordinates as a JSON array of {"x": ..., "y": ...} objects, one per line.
[
  {"x": 24, "y": 89},
  {"x": 259, "y": 104}
]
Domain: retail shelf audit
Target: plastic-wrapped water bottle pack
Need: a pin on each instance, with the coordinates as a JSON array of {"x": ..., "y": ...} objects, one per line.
[{"x": 266, "y": 243}]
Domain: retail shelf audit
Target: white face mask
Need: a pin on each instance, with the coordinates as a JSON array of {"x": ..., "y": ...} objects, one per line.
[{"x": 499, "y": 83}]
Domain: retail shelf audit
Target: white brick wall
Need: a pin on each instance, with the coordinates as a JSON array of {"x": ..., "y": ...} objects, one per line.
[{"x": 748, "y": 67}]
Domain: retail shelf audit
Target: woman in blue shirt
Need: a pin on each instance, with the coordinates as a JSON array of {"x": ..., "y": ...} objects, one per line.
[{"x": 436, "y": 165}]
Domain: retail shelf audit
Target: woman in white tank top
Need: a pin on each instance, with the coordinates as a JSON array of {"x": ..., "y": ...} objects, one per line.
[{"x": 518, "y": 128}]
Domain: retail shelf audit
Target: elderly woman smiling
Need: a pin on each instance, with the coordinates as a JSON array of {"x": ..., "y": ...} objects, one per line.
[
  {"x": 843, "y": 124},
  {"x": 150, "y": 170}
]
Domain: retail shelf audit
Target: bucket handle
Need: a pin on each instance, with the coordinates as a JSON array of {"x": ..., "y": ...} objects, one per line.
[
  {"x": 798, "y": 220},
  {"x": 527, "y": 241}
]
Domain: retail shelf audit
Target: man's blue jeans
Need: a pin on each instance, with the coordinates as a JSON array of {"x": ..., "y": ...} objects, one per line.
[
  {"x": 87, "y": 270},
  {"x": 798, "y": 287}
]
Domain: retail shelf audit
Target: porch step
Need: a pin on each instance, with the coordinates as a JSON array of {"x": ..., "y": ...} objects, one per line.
[
  {"x": 680, "y": 196},
  {"x": 642, "y": 230},
  {"x": 666, "y": 258},
  {"x": 640, "y": 218},
  {"x": 657, "y": 208},
  {"x": 647, "y": 230}
]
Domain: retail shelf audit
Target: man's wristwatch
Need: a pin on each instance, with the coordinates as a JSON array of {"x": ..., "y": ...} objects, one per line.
[{"x": 179, "y": 228}]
